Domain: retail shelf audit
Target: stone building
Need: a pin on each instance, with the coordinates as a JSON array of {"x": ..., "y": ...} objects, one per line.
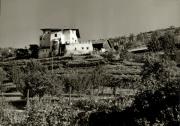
[{"x": 61, "y": 42}]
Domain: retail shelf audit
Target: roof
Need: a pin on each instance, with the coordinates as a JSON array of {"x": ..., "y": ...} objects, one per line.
[
  {"x": 61, "y": 29},
  {"x": 98, "y": 41},
  {"x": 57, "y": 29},
  {"x": 138, "y": 49},
  {"x": 45, "y": 47}
]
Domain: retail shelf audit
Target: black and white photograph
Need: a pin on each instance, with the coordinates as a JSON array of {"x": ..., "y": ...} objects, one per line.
[{"x": 89, "y": 62}]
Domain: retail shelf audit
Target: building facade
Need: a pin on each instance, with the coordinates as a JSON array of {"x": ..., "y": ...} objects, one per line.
[
  {"x": 61, "y": 42},
  {"x": 79, "y": 48}
]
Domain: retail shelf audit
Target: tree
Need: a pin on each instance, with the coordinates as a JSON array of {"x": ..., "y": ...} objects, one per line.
[
  {"x": 97, "y": 79},
  {"x": 75, "y": 81},
  {"x": 70, "y": 82},
  {"x": 109, "y": 56},
  {"x": 131, "y": 37},
  {"x": 158, "y": 103},
  {"x": 22, "y": 53},
  {"x": 34, "y": 51},
  {"x": 154, "y": 44},
  {"x": 2, "y": 75},
  {"x": 16, "y": 71},
  {"x": 33, "y": 77},
  {"x": 34, "y": 66},
  {"x": 123, "y": 52},
  {"x": 167, "y": 42},
  {"x": 158, "y": 107},
  {"x": 140, "y": 37},
  {"x": 145, "y": 37},
  {"x": 157, "y": 72},
  {"x": 56, "y": 84},
  {"x": 37, "y": 84},
  {"x": 122, "y": 40},
  {"x": 177, "y": 31},
  {"x": 154, "y": 73},
  {"x": 2, "y": 78}
]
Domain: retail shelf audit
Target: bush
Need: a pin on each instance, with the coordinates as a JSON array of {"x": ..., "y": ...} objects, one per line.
[
  {"x": 45, "y": 112},
  {"x": 161, "y": 106},
  {"x": 108, "y": 55}
]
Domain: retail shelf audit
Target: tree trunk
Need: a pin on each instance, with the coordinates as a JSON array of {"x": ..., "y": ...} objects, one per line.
[
  {"x": 70, "y": 90},
  {"x": 27, "y": 104},
  {"x": 114, "y": 91}
]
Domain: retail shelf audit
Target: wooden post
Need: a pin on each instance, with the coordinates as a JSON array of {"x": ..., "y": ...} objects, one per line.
[
  {"x": 70, "y": 90},
  {"x": 27, "y": 104},
  {"x": 91, "y": 92},
  {"x": 2, "y": 95},
  {"x": 52, "y": 64}
]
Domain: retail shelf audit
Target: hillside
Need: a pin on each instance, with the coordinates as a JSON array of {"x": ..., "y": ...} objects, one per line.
[{"x": 142, "y": 38}]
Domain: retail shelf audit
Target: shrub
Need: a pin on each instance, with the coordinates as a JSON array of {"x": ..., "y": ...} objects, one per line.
[
  {"x": 108, "y": 55},
  {"x": 4, "y": 119},
  {"x": 45, "y": 112}
]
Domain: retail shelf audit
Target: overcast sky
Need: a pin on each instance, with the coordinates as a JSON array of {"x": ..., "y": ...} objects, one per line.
[{"x": 21, "y": 20}]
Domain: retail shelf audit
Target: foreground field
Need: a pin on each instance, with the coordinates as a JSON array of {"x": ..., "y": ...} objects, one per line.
[{"x": 90, "y": 91}]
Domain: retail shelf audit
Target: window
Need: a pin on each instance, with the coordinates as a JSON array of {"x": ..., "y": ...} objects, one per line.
[
  {"x": 82, "y": 47},
  {"x": 87, "y": 48},
  {"x": 75, "y": 49},
  {"x": 55, "y": 35}
]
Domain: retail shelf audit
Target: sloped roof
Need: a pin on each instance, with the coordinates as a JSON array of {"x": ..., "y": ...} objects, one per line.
[
  {"x": 60, "y": 29},
  {"x": 138, "y": 49},
  {"x": 98, "y": 41}
]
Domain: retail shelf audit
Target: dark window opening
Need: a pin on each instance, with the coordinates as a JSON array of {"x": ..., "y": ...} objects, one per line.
[
  {"x": 98, "y": 46},
  {"x": 87, "y": 48},
  {"x": 116, "y": 48},
  {"x": 55, "y": 35}
]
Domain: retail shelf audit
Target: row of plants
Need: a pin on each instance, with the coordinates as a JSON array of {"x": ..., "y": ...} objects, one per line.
[
  {"x": 44, "y": 112},
  {"x": 158, "y": 107}
]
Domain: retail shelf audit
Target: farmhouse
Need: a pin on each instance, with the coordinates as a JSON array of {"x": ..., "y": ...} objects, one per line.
[{"x": 61, "y": 42}]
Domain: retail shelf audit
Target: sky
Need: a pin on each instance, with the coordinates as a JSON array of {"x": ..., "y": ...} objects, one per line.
[{"x": 21, "y": 20}]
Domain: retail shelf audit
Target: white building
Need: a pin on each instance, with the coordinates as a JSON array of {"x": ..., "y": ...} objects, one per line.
[
  {"x": 65, "y": 36},
  {"x": 79, "y": 48},
  {"x": 62, "y": 42}
]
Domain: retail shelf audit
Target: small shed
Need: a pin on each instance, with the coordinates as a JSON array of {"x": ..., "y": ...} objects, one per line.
[{"x": 101, "y": 45}]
